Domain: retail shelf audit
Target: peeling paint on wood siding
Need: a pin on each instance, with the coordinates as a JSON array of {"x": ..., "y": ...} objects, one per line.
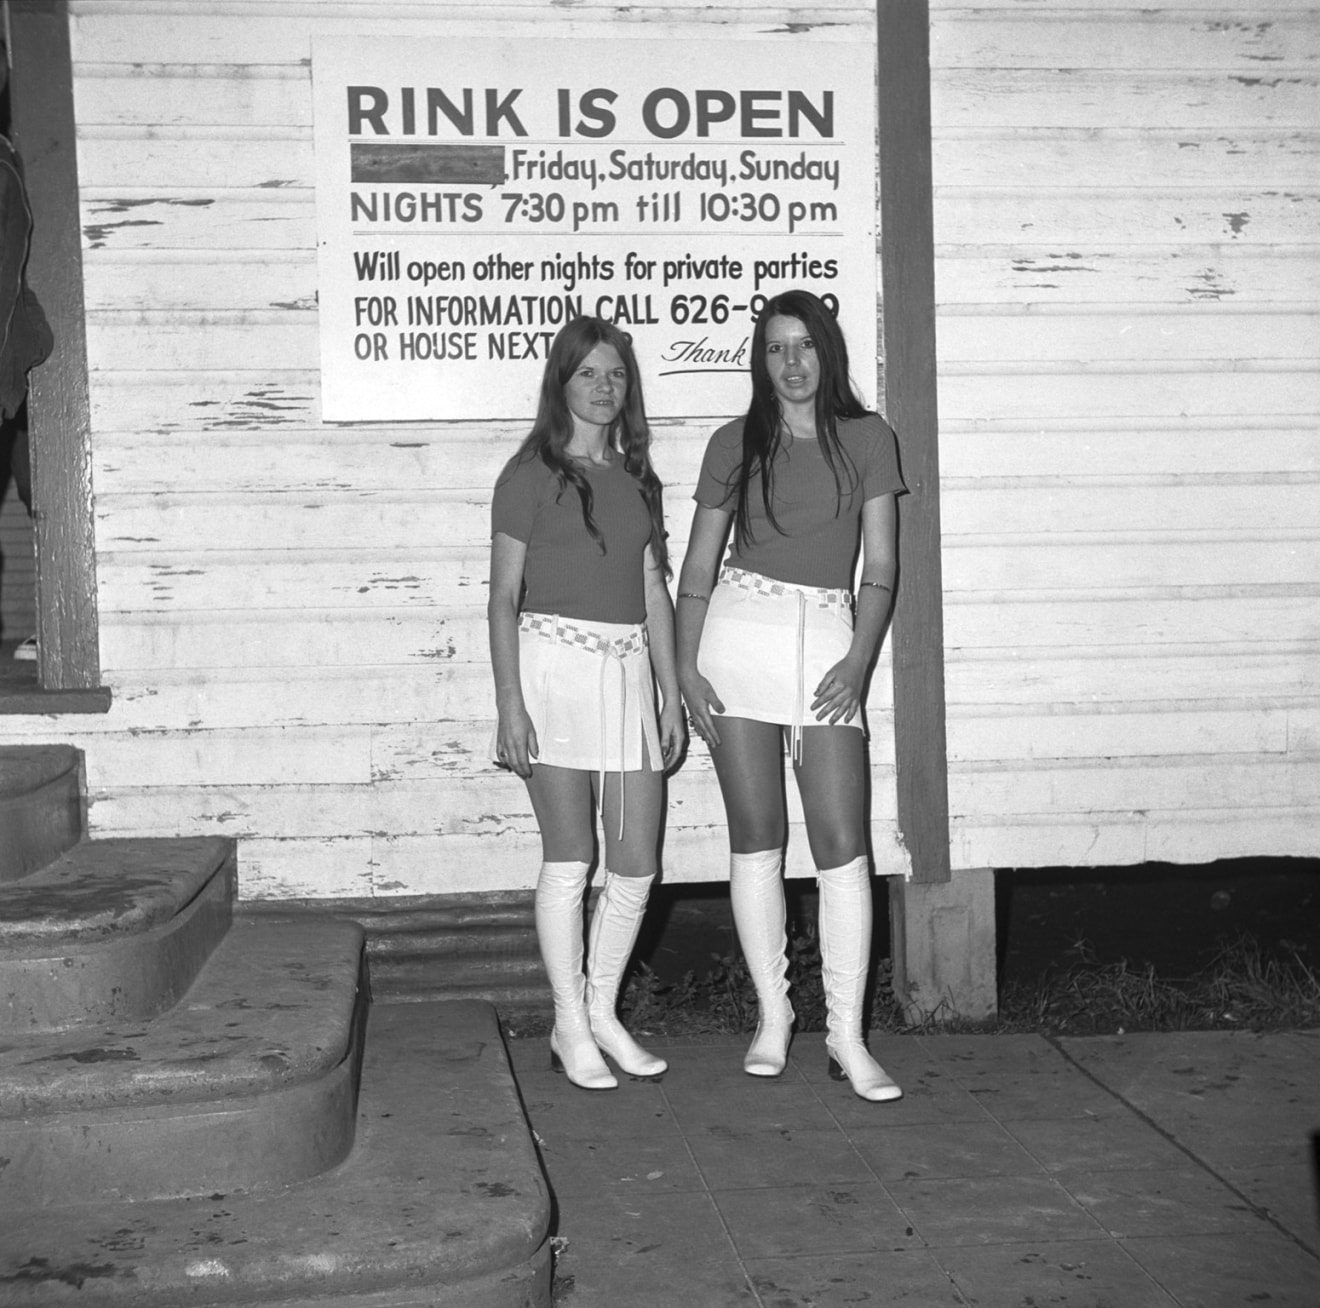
[
  {"x": 1056, "y": 681},
  {"x": 1127, "y": 200},
  {"x": 1044, "y": 219},
  {"x": 267, "y": 219},
  {"x": 293, "y": 619},
  {"x": 1129, "y": 310}
]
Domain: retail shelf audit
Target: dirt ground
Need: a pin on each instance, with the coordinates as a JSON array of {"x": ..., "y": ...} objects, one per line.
[{"x": 1175, "y": 917}]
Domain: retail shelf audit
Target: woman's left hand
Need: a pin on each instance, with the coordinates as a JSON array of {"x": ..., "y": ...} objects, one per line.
[
  {"x": 673, "y": 731},
  {"x": 839, "y": 695}
]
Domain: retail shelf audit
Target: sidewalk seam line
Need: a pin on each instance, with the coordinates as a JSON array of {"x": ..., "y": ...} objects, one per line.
[
  {"x": 714, "y": 1203},
  {"x": 1262, "y": 1213}
]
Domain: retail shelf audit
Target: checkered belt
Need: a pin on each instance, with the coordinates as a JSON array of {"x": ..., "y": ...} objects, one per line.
[
  {"x": 814, "y": 596},
  {"x": 564, "y": 632}
]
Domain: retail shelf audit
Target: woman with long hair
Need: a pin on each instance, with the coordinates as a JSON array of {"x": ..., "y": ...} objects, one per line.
[
  {"x": 776, "y": 649},
  {"x": 580, "y": 621}
]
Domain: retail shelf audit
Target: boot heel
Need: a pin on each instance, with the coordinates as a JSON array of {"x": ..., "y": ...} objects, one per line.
[{"x": 869, "y": 1080}]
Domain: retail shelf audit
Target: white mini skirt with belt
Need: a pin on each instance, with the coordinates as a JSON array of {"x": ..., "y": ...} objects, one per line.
[
  {"x": 588, "y": 690},
  {"x": 766, "y": 645}
]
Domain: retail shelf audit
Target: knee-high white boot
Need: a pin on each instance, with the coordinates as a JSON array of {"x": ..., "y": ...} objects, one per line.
[
  {"x": 845, "y": 954},
  {"x": 756, "y": 891},
  {"x": 610, "y": 941},
  {"x": 559, "y": 892}
]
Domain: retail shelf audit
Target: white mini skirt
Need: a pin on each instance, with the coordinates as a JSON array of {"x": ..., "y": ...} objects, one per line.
[
  {"x": 589, "y": 693},
  {"x": 767, "y": 644}
]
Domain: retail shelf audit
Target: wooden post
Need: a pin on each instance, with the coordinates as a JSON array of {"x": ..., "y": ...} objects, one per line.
[
  {"x": 59, "y": 420},
  {"x": 907, "y": 262},
  {"x": 943, "y": 926}
]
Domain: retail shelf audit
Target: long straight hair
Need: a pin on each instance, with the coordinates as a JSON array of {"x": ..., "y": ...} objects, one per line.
[
  {"x": 763, "y": 427},
  {"x": 629, "y": 434}
]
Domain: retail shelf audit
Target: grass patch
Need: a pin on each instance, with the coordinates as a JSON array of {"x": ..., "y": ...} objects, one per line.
[{"x": 1245, "y": 988}]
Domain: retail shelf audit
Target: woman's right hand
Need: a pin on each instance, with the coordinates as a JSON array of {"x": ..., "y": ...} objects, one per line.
[
  {"x": 702, "y": 705},
  {"x": 515, "y": 742}
]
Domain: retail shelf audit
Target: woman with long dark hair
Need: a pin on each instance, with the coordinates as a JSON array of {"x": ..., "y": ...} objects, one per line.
[
  {"x": 580, "y": 620},
  {"x": 775, "y": 649}
]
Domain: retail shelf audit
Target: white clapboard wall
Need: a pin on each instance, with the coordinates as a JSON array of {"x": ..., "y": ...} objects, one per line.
[
  {"x": 1127, "y": 223},
  {"x": 292, "y": 616}
]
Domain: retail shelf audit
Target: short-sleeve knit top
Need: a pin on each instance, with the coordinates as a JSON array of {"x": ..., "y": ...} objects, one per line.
[
  {"x": 819, "y": 527},
  {"x": 566, "y": 571}
]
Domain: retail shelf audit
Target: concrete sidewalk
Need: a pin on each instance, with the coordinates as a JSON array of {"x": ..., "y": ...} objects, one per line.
[{"x": 1140, "y": 1171}]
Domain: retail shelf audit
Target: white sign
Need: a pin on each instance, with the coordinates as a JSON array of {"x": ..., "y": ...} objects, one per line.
[{"x": 473, "y": 196}]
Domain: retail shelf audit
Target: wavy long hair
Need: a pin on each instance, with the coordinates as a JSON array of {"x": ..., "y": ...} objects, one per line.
[
  {"x": 629, "y": 434},
  {"x": 763, "y": 427}
]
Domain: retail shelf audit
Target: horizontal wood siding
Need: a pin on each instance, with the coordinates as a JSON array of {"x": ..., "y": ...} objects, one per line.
[
  {"x": 1127, "y": 218},
  {"x": 293, "y": 615}
]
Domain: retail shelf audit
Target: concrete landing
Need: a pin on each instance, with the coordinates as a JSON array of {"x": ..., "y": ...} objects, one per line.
[
  {"x": 442, "y": 1202},
  {"x": 1139, "y": 1171},
  {"x": 249, "y": 1081}
]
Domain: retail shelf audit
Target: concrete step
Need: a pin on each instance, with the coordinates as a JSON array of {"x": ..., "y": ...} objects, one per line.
[
  {"x": 439, "y": 975},
  {"x": 41, "y": 811},
  {"x": 442, "y": 1202},
  {"x": 503, "y": 940},
  {"x": 111, "y": 930},
  {"x": 516, "y": 1004},
  {"x": 249, "y": 1081},
  {"x": 424, "y": 948}
]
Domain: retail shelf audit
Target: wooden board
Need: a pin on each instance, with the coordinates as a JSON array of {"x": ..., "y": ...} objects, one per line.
[
  {"x": 1127, "y": 202},
  {"x": 1127, "y": 279}
]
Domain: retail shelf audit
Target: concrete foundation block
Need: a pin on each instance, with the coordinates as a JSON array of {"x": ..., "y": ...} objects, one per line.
[
  {"x": 943, "y": 943},
  {"x": 41, "y": 810}
]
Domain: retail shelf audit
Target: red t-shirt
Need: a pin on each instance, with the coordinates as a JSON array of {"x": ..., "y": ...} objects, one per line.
[
  {"x": 566, "y": 572},
  {"x": 818, "y": 546}
]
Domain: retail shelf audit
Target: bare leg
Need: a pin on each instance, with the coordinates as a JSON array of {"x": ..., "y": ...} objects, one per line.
[
  {"x": 634, "y": 853},
  {"x": 832, "y": 781},
  {"x": 749, "y": 764},
  {"x": 561, "y": 799}
]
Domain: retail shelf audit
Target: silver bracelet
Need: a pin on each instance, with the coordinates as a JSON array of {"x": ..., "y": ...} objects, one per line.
[
  {"x": 880, "y": 585},
  {"x": 692, "y": 594}
]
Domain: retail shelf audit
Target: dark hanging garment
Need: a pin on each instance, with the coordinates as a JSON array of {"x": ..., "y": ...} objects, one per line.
[{"x": 27, "y": 338}]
